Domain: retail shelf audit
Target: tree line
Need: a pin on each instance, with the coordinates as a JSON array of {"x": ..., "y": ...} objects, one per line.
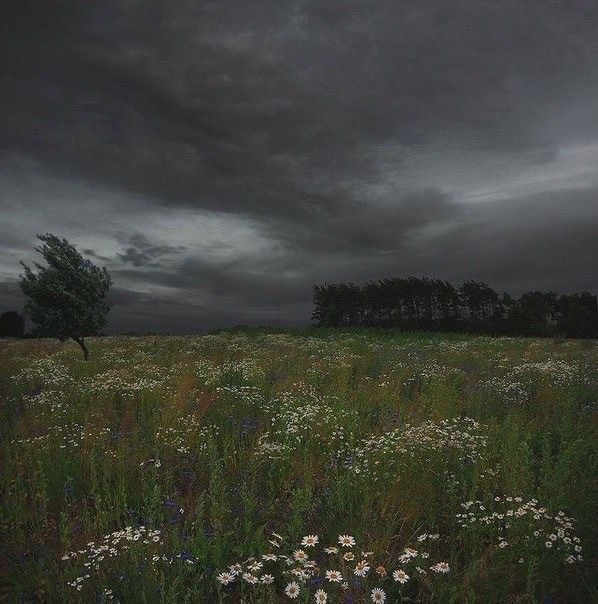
[{"x": 419, "y": 303}]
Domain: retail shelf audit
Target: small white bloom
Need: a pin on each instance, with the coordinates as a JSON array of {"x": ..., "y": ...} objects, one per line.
[
  {"x": 440, "y": 567},
  {"x": 400, "y": 576},
  {"x": 320, "y": 596},
  {"x": 334, "y": 576},
  {"x": 346, "y": 540},
  {"x": 310, "y": 541},
  {"x": 292, "y": 590},
  {"x": 299, "y": 555},
  {"x": 362, "y": 569},
  {"x": 225, "y": 578}
]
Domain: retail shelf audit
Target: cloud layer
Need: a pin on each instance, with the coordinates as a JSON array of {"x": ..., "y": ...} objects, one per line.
[{"x": 221, "y": 157}]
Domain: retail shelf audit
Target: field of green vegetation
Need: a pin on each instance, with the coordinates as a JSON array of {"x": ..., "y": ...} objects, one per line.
[{"x": 314, "y": 466}]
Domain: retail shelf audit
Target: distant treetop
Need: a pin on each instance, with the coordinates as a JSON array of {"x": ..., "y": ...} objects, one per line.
[{"x": 432, "y": 304}]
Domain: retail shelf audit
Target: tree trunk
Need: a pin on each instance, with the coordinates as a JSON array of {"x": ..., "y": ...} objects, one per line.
[{"x": 84, "y": 348}]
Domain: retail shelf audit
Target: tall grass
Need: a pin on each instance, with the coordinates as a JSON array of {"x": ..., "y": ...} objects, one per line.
[{"x": 182, "y": 455}]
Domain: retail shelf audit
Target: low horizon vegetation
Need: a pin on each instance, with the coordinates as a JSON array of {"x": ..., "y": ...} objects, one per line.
[
  {"x": 307, "y": 466},
  {"x": 422, "y": 303}
]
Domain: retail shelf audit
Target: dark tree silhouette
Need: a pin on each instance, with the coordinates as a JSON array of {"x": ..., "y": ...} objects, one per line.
[
  {"x": 422, "y": 303},
  {"x": 12, "y": 325},
  {"x": 578, "y": 315},
  {"x": 66, "y": 298}
]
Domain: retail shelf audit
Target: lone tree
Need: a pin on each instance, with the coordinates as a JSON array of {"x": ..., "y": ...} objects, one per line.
[
  {"x": 67, "y": 298},
  {"x": 12, "y": 325}
]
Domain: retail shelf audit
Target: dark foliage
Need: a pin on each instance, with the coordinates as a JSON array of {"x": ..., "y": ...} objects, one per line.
[
  {"x": 12, "y": 325},
  {"x": 432, "y": 304},
  {"x": 67, "y": 297}
]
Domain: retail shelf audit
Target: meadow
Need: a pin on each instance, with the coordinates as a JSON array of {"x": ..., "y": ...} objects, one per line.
[{"x": 309, "y": 466}]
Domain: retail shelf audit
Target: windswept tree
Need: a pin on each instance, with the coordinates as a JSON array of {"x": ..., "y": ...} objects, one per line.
[{"x": 67, "y": 298}]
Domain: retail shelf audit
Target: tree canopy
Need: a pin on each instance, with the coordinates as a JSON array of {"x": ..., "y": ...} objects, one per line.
[
  {"x": 432, "y": 304},
  {"x": 66, "y": 298}
]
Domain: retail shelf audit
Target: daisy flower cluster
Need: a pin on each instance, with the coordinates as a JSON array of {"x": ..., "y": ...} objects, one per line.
[
  {"x": 44, "y": 372},
  {"x": 342, "y": 569},
  {"x": 523, "y": 527},
  {"x": 508, "y": 390},
  {"x": 379, "y": 455},
  {"x": 432, "y": 371},
  {"x": 299, "y": 418},
  {"x": 146, "y": 544},
  {"x": 231, "y": 372},
  {"x": 47, "y": 402},
  {"x": 234, "y": 396},
  {"x": 557, "y": 372},
  {"x": 187, "y": 435},
  {"x": 115, "y": 381},
  {"x": 69, "y": 436}
]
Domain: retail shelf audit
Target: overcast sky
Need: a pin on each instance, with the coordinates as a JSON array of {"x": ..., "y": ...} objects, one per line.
[{"x": 221, "y": 157}]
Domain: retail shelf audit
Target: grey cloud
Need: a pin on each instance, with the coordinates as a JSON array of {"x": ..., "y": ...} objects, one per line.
[
  {"x": 267, "y": 109},
  {"x": 140, "y": 252},
  {"x": 536, "y": 242},
  {"x": 96, "y": 256},
  {"x": 11, "y": 297},
  {"x": 514, "y": 244},
  {"x": 311, "y": 121},
  {"x": 369, "y": 228}
]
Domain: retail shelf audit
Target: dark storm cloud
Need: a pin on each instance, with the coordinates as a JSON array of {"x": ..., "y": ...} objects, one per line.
[
  {"x": 140, "y": 252},
  {"x": 269, "y": 108},
  {"x": 96, "y": 256},
  {"x": 11, "y": 297},
  {"x": 546, "y": 241},
  {"x": 304, "y": 118},
  {"x": 370, "y": 228},
  {"x": 514, "y": 244},
  {"x": 543, "y": 241}
]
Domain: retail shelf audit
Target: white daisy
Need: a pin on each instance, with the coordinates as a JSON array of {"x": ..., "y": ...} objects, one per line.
[
  {"x": 255, "y": 566},
  {"x": 346, "y": 540},
  {"x": 362, "y": 569},
  {"x": 235, "y": 569},
  {"x": 225, "y": 578},
  {"x": 299, "y": 555},
  {"x": 292, "y": 590},
  {"x": 310, "y": 541},
  {"x": 400, "y": 576},
  {"x": 334, "y": 576},
  {"x": 378, "y": 595},
  {"x": 320, "y": 596},
  {"x": 440, "y": 567}
]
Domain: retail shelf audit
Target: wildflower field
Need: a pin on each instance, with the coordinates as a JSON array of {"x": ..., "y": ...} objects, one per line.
[{"x": 312, "y": 466}]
